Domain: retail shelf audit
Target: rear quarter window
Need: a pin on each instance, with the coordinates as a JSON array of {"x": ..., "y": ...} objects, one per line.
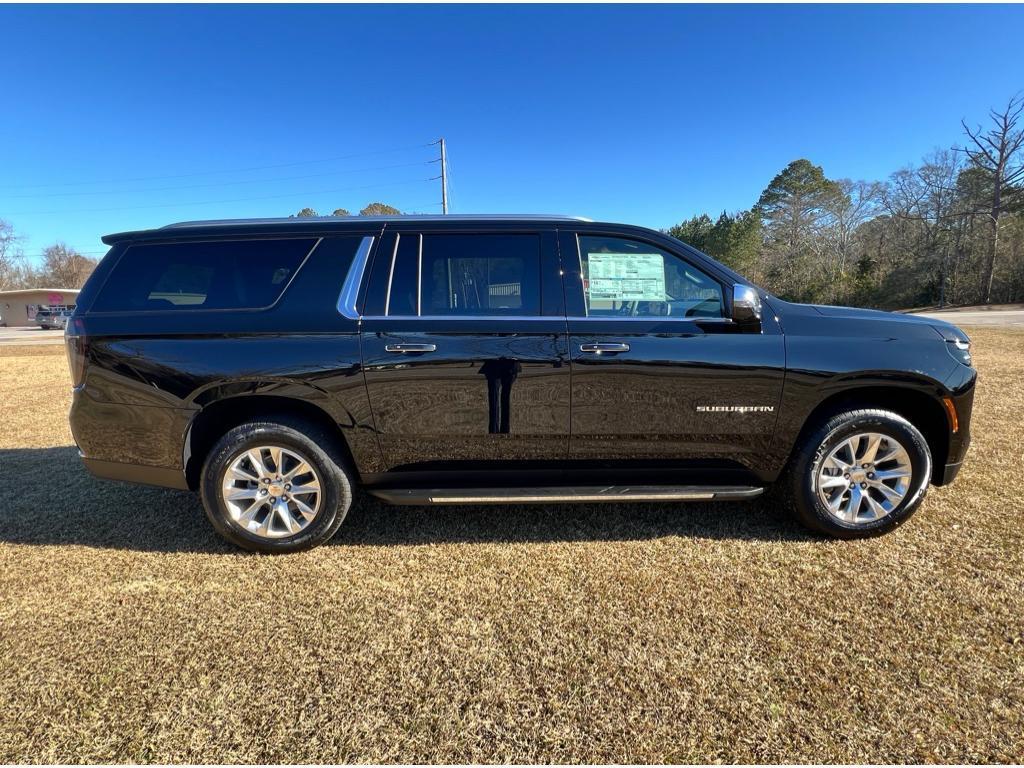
[{"x": 176, "y": 277}]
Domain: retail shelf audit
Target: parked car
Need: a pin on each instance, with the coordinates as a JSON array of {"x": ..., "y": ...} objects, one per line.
[
  {"x": 51, "y": 319},
  {"x": 279, "y": 367}
]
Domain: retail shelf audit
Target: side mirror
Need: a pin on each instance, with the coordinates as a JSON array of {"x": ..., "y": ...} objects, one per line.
[{"x": 746, "y": 305}]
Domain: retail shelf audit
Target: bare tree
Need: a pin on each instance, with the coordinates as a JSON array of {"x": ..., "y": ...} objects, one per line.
[
  {"x": 15, "y": 271},
  {"x": 924, "y": 204},
  {"x": 853, "y": 203},
  {"x": 65, "y": 267},
  {"x": 996, "y": 151},
  {"x": 939, "y": 212},
  {"x": 8, "y": 240}
]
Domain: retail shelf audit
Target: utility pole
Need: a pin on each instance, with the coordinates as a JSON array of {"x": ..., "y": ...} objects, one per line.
[{"x": 444, "y": 178}]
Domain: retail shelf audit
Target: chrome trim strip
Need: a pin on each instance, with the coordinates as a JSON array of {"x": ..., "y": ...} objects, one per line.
[
  {"x": 525, "y": 498},
  {"x": 618, "y": 493},
  {"x": 349, "y": 295}
]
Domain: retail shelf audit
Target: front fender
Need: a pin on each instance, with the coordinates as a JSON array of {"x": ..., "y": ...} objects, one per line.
[{"x": 822, "y": 368}]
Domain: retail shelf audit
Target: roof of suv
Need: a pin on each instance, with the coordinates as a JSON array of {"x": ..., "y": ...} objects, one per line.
[{"x": 320, "y": 222}]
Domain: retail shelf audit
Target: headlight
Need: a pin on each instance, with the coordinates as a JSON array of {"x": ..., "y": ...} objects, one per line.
[
  {"x": 957, "y": 342},
  {"x": 960, "y": 349}
]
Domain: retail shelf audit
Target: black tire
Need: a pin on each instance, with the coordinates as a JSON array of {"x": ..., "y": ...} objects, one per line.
[
  {"x": 315, "y": 446},
  {"x": 799, "y": 484}
]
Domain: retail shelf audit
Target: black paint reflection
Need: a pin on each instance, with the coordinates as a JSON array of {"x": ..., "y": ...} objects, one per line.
[
  {"x": 486, "y": 395},
  {"x": 500, "y": 372}
]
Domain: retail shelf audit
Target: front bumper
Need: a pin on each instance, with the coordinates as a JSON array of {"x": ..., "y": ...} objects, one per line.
[
  {"x": 949, "y": 473},
  {"x": 961, "y": 386}
]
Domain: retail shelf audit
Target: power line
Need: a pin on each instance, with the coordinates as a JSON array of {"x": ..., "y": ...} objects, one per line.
[
  {"x": 215, "y": 173},
  {"x": 444, "y": 179},
  {"x": 444, "y": 175},
  {"x": 218, "y": 183},
  {"x": 218, "y": 202}
]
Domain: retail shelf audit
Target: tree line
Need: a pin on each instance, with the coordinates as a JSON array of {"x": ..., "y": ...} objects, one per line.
[
  {"x": 373, "y": 209},
  {"x": 947, "y": 230},
  {"x": 61, "y": 266}
]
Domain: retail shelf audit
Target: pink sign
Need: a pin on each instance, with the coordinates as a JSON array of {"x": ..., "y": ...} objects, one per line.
[{"x": 55, "y": 298}]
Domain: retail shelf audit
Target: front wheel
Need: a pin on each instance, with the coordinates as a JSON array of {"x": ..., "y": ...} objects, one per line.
[
  {"x": 276, "y": 486},
  {"x": 860, "y": 473}
]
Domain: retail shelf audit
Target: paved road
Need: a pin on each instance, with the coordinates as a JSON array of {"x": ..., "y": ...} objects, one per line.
[
  {"x": 1009, "y": 318},
  {"x": 30, "y": 336}
]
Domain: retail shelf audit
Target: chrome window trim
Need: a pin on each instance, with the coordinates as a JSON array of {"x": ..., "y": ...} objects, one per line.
[
  {"x": 553, "y": 318},
  {"x": 349, "y": 296}
]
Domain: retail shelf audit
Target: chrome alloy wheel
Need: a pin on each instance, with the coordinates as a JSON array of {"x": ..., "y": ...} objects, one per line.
[
  {"x": 864, "y": 478},
  {"x": 271, "y": 491}
]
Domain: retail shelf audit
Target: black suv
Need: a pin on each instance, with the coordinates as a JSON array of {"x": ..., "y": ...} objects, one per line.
[{"x": 280, "y": 366}]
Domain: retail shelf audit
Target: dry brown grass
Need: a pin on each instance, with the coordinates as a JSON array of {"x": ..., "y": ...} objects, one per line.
[{"x": 128, "y": 632}]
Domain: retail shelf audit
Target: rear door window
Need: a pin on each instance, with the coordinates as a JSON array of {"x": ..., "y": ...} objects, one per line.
[
  {"x": 174, "y": 277},
  {"x": 465, "y": 275}
]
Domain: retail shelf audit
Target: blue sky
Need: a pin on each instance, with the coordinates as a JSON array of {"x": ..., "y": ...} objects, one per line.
[{"x": 122, "y": 117}]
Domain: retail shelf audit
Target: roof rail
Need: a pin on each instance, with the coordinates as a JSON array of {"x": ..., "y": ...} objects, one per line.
[{"x": 384, "y": 219}]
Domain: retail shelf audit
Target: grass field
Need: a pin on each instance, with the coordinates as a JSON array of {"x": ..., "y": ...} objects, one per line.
[{"x": 128, "y": 632}]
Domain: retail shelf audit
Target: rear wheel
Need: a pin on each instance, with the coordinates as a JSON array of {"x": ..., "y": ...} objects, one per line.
[
  {"x": 860, "y": 473},
  {"x": 276, "y": 486}
]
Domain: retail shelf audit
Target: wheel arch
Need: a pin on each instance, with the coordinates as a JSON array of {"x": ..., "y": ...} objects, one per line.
[
  {"x": 925, "y": 411},
  {"x": 220, "y": 415}
]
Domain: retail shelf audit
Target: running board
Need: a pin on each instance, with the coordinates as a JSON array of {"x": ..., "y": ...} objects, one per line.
[{"x": 620, "y": 493}]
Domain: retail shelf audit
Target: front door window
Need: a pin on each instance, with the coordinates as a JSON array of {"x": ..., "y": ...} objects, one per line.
[{"x": 630, "y": 278}]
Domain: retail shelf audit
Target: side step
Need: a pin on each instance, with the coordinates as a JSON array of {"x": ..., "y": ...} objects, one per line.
[{"x": 620, "y": 493}]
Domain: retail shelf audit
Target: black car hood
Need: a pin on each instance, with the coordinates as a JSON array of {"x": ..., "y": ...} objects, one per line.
[
  {"x": 854, "y": 317},
  {"x": 867, "y": 314}
]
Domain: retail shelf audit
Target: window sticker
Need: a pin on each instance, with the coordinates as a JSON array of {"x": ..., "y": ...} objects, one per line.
[{"x": 626, "y": 276}]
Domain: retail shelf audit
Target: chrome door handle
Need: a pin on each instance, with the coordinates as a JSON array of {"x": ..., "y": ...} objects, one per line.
[
  {"x": 410, "y": 348},
  {"x": 609, "y": 348}
]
